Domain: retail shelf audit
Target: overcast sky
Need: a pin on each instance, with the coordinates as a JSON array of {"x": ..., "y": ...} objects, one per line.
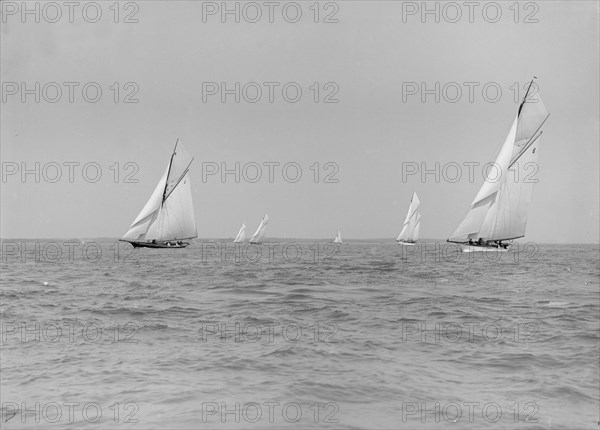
[{"x": 368, "y": 134}]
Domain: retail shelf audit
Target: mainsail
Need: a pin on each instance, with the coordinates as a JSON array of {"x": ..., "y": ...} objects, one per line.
[
  {"x": 260, "y": 231},
  {"x": 417, "y": 227},
  {"x": 338, "y": 238},
  {"x": 169, "y": 212},
  {"x": 241, "y": 236},
  {"x": 412, "y": 223},
  {"x": 499, "y": 210}
]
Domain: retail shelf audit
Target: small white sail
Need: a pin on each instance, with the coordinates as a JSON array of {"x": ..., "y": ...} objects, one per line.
[
  {"x": 169, "y": 212},
  {"x": 411, "y": 222},
  {"x": 499, "y": 210},
  {"x": 241, "y": 236},
  {"x": 260, "y": 231},
  {"x": 338, "y": 238}
]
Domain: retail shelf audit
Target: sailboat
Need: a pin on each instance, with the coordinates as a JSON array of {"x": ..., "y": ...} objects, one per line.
[
  {"x": 258, "y": 237},
  {"x": 499, "y": 211},
  {"x": 338, "y": 238},
  {"x": 167, "y": 220},
  {"x": 412, "y": 224},
  {"x": 241, "y": 236}
]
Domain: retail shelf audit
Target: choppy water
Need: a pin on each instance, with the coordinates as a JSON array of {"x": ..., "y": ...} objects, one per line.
[{"x": 363, "y": 337}]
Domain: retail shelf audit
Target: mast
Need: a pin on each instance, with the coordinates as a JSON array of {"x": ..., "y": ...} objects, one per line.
[
  {"x": 164, "y": 197},
  {"x": 526, "y": 94},
  {"x": 181, "y": 175}
]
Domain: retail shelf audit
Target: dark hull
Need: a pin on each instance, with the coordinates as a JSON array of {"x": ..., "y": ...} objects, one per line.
[{"x": 157, "y": 245}]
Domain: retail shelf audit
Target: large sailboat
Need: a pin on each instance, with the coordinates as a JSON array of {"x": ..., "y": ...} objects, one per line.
[
  {"x": 499, "y": 211},
  {"x": 167, "y": 220},
  {"x": 412, "y": 224},
  {"x": 259, "y": 236},
  {"x": 338, "y": 237},
  {"x": 241, "y": 236}
]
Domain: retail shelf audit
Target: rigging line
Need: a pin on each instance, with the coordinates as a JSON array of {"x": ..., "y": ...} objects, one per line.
[
  {"x": 187, "y": 169},
  {"x": 531, "y": 140},
  {"x": 525, "y": 98},
  {"x": 168, "y": 173},
  {"x": 412, "y": 214}
]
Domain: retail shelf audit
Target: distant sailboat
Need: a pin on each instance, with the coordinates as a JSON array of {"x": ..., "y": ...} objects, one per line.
[
  {"x": 241, "y": 236},
  {"x": 258, "y": 237},
  {"x": 167, "y": 219},
  {"x": 412, "y": 224},
  {"x": 338, "y": 238},
  {"x": 499, "y": 211}
]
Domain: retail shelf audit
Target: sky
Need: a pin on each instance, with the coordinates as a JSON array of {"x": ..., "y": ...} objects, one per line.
[{"x": 369, "y": 61}]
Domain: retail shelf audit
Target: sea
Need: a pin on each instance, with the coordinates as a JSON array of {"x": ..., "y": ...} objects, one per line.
[{"x": 298, "y": 334}]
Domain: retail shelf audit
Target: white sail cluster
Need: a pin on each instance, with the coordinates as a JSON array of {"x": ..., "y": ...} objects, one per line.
[
  {"x": 412, "y": 223},
  {"x": 169, "y": 212},
  {"x": 499, "y": 210}
]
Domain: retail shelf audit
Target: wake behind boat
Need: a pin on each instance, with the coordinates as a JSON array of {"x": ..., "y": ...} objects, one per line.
[
  {"x": 167, "y": 220},
  {"x": 412, "y": 224},
  {"x": 499, "y": 211}
]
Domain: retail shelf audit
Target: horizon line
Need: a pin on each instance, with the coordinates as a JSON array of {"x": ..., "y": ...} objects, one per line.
[{"x": 271, "y": 240}]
